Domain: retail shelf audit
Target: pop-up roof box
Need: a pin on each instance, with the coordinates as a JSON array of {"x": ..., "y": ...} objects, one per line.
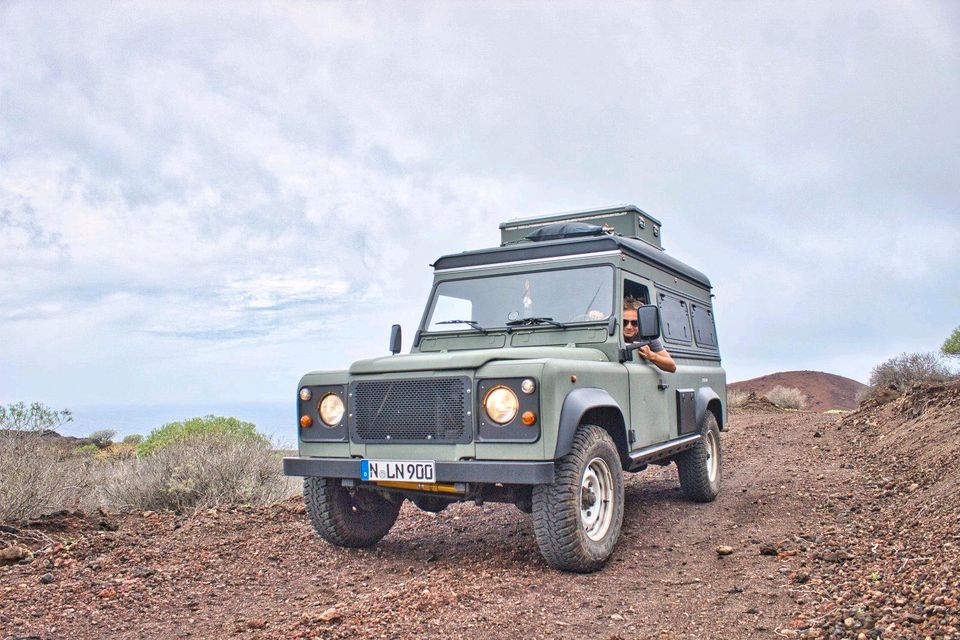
[{"x": 625, "y": 220}]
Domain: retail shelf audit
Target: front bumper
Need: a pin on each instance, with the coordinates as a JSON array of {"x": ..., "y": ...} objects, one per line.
[{"x": 489, "y": 471}]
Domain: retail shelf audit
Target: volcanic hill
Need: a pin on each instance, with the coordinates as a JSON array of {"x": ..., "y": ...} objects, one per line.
[{"x": 824, "y": 391}]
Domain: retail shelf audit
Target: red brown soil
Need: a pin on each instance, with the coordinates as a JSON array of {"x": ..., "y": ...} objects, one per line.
[
  {"x": 824, "y": 391},
  {"x": 830, "y": 538}
]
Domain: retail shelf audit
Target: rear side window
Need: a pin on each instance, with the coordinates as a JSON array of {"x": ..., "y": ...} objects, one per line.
[
  {"x": 675, "y": 319},
  {"x": 703, "y": 327}
]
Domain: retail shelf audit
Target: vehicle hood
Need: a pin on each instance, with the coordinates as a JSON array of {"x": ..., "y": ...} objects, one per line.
[{"x": 472, "y": 359}]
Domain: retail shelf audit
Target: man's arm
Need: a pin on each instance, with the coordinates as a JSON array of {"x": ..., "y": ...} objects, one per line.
[{"x": 660, "y": 358}]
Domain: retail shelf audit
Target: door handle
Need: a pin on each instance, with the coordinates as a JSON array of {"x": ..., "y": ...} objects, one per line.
[{"x": 662, "y": 387}]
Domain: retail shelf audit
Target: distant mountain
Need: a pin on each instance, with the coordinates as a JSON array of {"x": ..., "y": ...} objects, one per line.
[{"x": 823, "y": 390}]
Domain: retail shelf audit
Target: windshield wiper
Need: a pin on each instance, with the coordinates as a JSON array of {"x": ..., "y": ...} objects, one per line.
[
  {"x": 469, "y": 322},
  {"x": 526, "y": 322}
]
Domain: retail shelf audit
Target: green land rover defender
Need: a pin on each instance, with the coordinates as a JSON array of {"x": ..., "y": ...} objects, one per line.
[{"x": 520, "y": 388}]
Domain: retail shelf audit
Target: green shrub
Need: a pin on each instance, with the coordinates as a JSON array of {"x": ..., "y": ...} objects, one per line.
[
  {"x": 89, "y": 449},
  {"x": 37, "y": 417},
  {"x": 174, "y": 432},
  {"x": 102, "y": 438},
  {"x": 133, "y": 438},
  {"x": 951, "y": 346}
]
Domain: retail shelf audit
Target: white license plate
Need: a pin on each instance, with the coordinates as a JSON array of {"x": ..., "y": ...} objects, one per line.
[{"x": 398, "y": 470}]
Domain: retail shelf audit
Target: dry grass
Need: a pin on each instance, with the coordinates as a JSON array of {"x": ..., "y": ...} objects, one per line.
[
  {"x": 787, "y": 397},
  {"x": 199, "y": 472},
  {"x": 735, "y": 398},
  {"x": 41, "y": 475},
  {"x": 117, "y": 451},
  {"x": 894, "y": 377},
  {"x": 37, "y": 476}
]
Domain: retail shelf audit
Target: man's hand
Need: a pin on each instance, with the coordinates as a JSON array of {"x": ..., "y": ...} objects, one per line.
[{"x": 662, "y": 359}]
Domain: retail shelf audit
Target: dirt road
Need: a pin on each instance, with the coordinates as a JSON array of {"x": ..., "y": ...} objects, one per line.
[{"x": 469, "y": 571}]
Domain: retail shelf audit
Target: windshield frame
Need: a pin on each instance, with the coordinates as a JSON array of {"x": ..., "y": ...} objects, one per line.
[{"x": 463, "y": 328}]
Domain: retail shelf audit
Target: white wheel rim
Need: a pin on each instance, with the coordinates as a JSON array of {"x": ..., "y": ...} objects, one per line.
[
  {"x": 596, "y": 499},
  {"x": 713, "y": 459}
]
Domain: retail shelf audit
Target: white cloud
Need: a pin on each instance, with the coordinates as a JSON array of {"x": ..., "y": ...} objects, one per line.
[{"x": 245, "y": 192}]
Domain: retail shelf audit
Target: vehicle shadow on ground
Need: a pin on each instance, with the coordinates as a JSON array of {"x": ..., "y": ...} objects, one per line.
[{"x": 498, "y": 532}]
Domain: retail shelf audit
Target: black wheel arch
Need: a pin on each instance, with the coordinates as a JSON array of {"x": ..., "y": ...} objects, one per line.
[
  {"x": 708, "y": 400},
  {"x": 590, "y": 405}
]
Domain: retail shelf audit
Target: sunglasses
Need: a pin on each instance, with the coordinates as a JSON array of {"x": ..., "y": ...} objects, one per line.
[{"x": 631, "y": 323}]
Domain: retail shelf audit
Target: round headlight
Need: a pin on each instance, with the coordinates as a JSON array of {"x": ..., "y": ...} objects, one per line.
[
  {"x": 331, "y": 409},
  {"x": 305, "y": 394},
  {"x": 501, "y": 404},
  {"x": 528, "y": 386}
]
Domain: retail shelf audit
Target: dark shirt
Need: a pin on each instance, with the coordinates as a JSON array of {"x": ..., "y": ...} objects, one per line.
[{"x": 655, "y": 345}]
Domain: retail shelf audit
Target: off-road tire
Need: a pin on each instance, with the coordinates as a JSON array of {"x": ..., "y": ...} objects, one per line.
[
  {"x": 431, "y": 504},
  {"x": 557, "y": 521},
  {"x": 693, "y": 465},
  {"x": 348, "y": 517}
]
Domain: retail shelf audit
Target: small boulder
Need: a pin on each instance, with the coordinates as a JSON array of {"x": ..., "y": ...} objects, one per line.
[
  {"x": 107, "y": 525},
  {"x": 14, "y": 554},
  {"x": 330, "y": 615},
  {"x": 143, "y": 572}
]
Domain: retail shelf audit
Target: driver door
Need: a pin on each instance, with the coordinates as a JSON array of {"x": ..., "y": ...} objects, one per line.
[{"x": 649, "y": 386}]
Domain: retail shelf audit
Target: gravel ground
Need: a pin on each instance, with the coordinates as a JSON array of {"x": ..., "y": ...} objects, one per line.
[{"x": 471, "y": 572}]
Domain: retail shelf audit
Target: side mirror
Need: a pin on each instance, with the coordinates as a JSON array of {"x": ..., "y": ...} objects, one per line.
[
  {"x": 395, "y": 338},
  {"x": 648, "y": 319}
]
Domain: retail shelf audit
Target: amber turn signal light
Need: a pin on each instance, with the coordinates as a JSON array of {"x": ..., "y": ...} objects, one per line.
[
  {"x": 305, "y": 421},
  {"x": 528, "y": 418}
]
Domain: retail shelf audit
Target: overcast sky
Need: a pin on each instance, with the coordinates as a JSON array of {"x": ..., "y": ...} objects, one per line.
[{"x": 200, "y": 202}]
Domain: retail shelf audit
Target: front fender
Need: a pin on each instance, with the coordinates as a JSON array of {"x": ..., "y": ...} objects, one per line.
[{"x": 577, "y": 403}]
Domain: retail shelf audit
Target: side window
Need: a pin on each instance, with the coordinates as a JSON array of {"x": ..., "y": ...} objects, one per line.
[
  {"x": 635, "y": 293},
  {"x": 675, "y": 319},
  {"x": 703, "y": 326}
]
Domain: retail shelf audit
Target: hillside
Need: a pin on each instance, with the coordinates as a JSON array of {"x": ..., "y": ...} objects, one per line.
[
  {"x": 824, "y": 391},
  {"x": 902, "y": 526}
]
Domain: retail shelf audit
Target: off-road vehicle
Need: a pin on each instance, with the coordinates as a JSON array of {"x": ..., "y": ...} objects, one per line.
[{"x": 520, "y": 388}]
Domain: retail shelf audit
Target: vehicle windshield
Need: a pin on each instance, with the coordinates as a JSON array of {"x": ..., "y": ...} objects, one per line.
[{"x": 564, "y": 296}]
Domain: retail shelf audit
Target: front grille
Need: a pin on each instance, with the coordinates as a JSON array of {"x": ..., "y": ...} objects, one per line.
[{"x": 423, "y": 409}]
